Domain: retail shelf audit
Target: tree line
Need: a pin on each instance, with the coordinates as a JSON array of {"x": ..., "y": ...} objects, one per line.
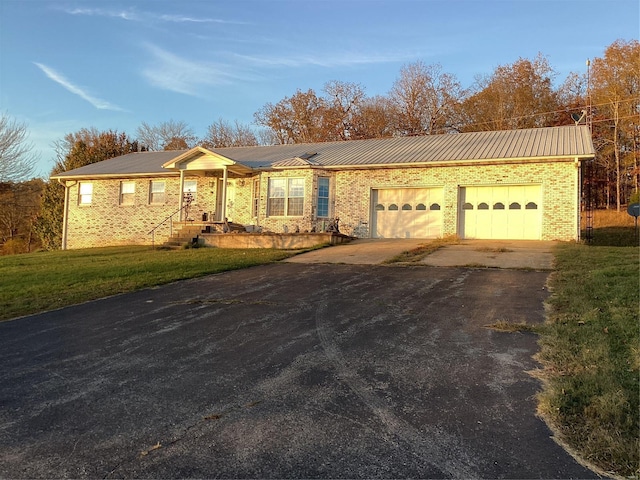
[{"x": 423, "y": 100}]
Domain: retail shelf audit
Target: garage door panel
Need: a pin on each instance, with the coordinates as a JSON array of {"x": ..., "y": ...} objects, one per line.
[
  {"x": 406, "y": 213},
  {"x": 500, "y": 212}
]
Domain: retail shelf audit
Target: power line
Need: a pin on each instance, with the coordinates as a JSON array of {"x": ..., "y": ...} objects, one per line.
[{"x": 563, "y": 110}]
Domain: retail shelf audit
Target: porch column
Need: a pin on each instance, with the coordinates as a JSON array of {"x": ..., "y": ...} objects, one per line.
[
  {"x": 224, "y": 194},
  {"x": 181, "y": 202}
]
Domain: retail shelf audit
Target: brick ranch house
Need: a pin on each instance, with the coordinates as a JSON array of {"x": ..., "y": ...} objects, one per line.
[{"x": 515, "y": 184}]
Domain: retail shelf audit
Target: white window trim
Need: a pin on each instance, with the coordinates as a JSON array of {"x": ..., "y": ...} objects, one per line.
[
  {"x": 83, "y": 195},
  {"x": 286, "y": 196},
  {"x": 125, "y": 186},
  {"x": 328, "y": 197},
  {"x": 163, "y": 192},
  {"x": 192, "y": 190}
]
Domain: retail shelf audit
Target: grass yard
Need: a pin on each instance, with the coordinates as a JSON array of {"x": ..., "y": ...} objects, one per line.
[
  {"x": 35, "y": 282},
  {"x": 590, "y": 350}
]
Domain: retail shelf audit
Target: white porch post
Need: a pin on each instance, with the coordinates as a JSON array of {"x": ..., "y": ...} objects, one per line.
[
  {"x": 224, "y": 194},
  {"x": 181, "y": 203}
]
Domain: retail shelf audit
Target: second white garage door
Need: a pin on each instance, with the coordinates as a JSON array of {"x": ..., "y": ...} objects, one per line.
[
  {"x": 407, "y": 213},
  {"x": 500, "y": 212}
]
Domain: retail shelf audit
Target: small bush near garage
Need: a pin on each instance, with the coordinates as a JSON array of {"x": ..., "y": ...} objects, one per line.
[{"x": 590, "y": 352}]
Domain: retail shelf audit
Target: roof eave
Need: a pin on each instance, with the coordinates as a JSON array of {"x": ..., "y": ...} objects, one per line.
[
  {"x": 100, "y": 176},
  {"x": 455, "y": 163}
]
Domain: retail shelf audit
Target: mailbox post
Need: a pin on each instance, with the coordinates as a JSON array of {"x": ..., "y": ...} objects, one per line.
[{"x": 634, "y": 210}]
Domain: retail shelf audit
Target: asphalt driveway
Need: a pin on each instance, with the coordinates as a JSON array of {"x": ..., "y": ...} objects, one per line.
[{"x": 283, "y": 371}]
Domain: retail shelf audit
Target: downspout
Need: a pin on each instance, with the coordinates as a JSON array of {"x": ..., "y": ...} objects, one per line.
[
  {"x": 578, "y": 194},
  {"x": 65, "y": 212},
  {"x": 181, "y": 199},
  {"x": 224, "y": 194}
]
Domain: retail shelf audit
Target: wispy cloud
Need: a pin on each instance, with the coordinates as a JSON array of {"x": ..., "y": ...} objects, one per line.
[
  {"x": 101, "y": 12},
  {"x": 169, "y": 71},
  {"x": 177, "y": 74},
  {"x": 64, "y": 82},
  {"x": 327, "y": 61},
  {"x": 145, "y": 16}
]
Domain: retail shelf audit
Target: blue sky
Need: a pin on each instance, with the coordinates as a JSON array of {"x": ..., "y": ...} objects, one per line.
[{"x": 65, "y": 65}]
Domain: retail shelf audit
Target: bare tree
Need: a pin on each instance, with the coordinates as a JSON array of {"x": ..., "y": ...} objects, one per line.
[
  {"x": 170, "y": 135},
  {"x": 17, "y": 160},
  {"x": 425, "y": 99},
  {"x": 342, "y": 109},
  {"x": 224, "y": 134}
]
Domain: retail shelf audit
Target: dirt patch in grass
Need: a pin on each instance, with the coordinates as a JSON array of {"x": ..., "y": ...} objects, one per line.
[
  {"x": 493, "y": 250},
  {"x": 415, "y": 255},
  {"x": 512, "y": 327}
]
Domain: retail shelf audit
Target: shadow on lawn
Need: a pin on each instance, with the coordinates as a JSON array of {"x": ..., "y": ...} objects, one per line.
[{"x": 614, "y": 237}]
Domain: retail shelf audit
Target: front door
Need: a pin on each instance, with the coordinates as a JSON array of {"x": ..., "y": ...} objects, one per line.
[{"x": 231, "y": 196}]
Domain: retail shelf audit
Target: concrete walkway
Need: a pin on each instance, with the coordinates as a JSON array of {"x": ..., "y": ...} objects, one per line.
[
  {"x": 523, "y": 254},
  {"x": 519, "y": 254},
  {"x": 363, "y": 251}
]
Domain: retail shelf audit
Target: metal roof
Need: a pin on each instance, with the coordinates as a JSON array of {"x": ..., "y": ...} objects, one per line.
[
  {"x": 137, "y": 163},
  {"x": 536, "y": 143}
]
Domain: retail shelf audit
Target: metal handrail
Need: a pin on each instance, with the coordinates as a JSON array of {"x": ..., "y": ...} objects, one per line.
[{"x": 152, "y": 232}]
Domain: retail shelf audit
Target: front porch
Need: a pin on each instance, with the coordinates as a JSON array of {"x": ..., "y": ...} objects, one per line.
[{"x": 205, "y": 234}]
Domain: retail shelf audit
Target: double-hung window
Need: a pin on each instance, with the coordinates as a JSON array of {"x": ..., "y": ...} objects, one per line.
[
  {"x": 286, "y": 197},
  {"x": 85, "y": 193},
  {"x": 157, "y": 192},
  {"x": 323, "y": 197},
  {"x": 127, "y": 193},
  {"x": 190, "y": 189}
]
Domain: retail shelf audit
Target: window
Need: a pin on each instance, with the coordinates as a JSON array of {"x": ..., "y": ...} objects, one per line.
[
  {"x": 467, "y": 206},
  {"x": 323, "y": 196},
  {"x": 514, "y": 206},
  {"x": 434, "y": 206},
  {"x": 393, "y": 207},
  {"x": 286, "y": 197},
  {"x": 157, "y": 192},
  {"x": 406, "y": 206},
  {"x": 379, "y": 207},
  {"x": 498, "y": 206},
  {"x": 191, "y": 188},
  {"x": 85, "y": 195},
  {"x": 421, "y": 206},
  {"x": 483, "y": 206},
  {"x": 127, "y": 193},
  {"x": 531, "y": 206}
]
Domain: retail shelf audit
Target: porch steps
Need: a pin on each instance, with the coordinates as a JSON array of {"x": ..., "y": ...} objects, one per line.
[{"x": 185, "y": 233}]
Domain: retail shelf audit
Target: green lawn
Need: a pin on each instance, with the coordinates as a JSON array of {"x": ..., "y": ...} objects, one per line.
[
  {"x": 590, "y": 352},
  {"x": 36, "y": 282}
]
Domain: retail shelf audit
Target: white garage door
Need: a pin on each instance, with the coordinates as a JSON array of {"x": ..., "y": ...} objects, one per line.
[
  {"x": 501, "y": 212},
  {"x": 407, "y": 213}
]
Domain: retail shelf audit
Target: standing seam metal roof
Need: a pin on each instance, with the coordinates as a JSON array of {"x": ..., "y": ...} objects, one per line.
[{"x": 551, "y": 142}]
